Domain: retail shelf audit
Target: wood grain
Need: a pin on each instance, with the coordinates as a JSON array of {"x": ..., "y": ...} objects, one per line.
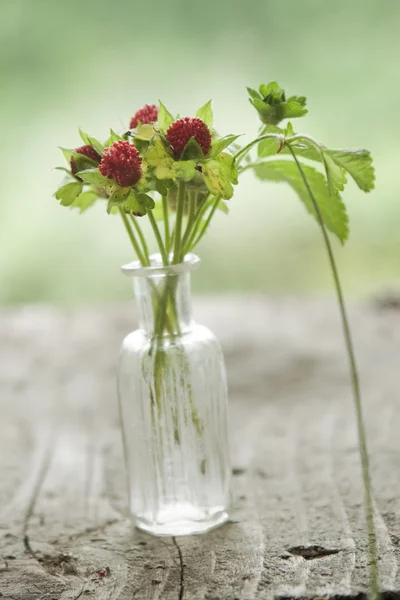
[{"x": 297, "y": 521}]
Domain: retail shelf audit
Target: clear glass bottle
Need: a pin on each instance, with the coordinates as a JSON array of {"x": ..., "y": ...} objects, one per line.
[{"x": 173, "y": 404}]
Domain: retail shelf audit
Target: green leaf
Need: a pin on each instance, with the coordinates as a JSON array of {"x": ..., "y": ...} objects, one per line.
[
  {"x": 132, "y": 204},
  {"x": 96, "y": 145},
  {"x": 269, "y": 146},
  {"x": 161, "y": 188},
  {"x": 335, "y": 175},
  {"x": 192, "y": 151},
  {"x": 331, "y": 206},
  {"x": 68, "y": 192},
  {"x": 67, "y": 154},
  {"x": 84, "y": 138},
  {"x": 94, "y": 177},
  {"x": 268, "y": 88},
  {"x": 293, "y": 110},
  {"x": 145, "y": 200},
  {"x": 223, "y": 207},
  {"x": 118, "y": 197},
  {"x": 84, "y": 201},
  {"x": 156, "y": 154},
  {"x": 358, "y": 163},
  {"x": 205, "y": 113},
  {"x": 114, "y": 137},
  {"x": 63, "y": 169},
  {"x": 165, "y": 119},
  {"x": 220, "y": 144},
  {"x": 254, "y": 94},
  {"x": 83, "y": 162},
  {"x": 219, "y": 174}
]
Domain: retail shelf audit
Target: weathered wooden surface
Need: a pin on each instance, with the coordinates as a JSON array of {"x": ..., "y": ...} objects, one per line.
[{"x": 297, "y": 524}]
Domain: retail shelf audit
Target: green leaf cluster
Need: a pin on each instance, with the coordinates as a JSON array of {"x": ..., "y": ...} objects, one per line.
[{"x": 273, "y": 107}]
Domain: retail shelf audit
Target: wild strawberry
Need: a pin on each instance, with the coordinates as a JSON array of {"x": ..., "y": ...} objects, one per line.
[
  {"x": 182, "y": 130},
  {"x": 88, "y": 151},
  {"x": 147, "y": 114},
  {"x": 121, "y": 162}
]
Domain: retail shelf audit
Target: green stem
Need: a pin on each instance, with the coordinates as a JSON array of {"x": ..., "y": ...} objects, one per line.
[
  {"x": 206, "y": 225},
  {"x": 191, "y": 216},
  {"x": 135, "y": 244},
  {"x": 241, "y": 153},
  {"x": 362, "y": 438},
  {"x": 197, "y": 222},
  {"x": 163, "y": 252},
  {"x": 178, "y": 224},
  {"x": 141, "y": 237},
  {"x": 166, "y": 224}
]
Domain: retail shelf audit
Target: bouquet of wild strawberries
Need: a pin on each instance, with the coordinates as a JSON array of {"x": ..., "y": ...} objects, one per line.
[{"x": 179, "y": 171}]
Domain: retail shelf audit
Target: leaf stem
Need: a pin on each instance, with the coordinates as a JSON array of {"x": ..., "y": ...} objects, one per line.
[
  {"x": 157, "y": 234},
  {"x": 167, "y": 235},
  {"x": 141, "y": 237},
  {"x": 241, "y": 153},
  {"x": 178, "y": 224},
  {"x": 362, "y": 438},
  {"x": 134, "y": 242}
]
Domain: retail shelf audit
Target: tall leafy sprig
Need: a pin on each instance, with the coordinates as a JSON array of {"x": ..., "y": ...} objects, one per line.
[{"x": 320, "y": 192}]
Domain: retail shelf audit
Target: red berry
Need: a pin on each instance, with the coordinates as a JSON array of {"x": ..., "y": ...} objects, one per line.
[
  {"x": 121, "y": 162},
  {"x": 147, "y": 114},
  {"x": 182, "y": 130},
  {"x": 88, "y": 151}
]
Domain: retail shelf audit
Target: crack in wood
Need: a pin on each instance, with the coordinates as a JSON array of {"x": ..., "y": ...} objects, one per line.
[
  {"x": 182, "y": 566},
  {"x": 312, "y": 552}
]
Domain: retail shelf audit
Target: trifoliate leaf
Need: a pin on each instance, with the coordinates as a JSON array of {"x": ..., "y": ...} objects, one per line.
[
  {"x": 273, "y": 107},
  {"x": 184, "y": 169},
  {"x": 331, "y": 206},
  {"x": 271, "y": 145},
  {"x": 68, "y": 192},
  {"x": 132, "y": 205},
  {"x": 156, "y": 155},
  {"x": 220, "y": 144},
  {"x": 118, "y": 197},
  {"x": 192, "y": 151},
  {"x": 302, "y": 100},
  {"x": 219, "y": 174},
  {"x": 165, "y": 119},
  {"x": 145, "y": 200},
  {"x": 358, "y": 163},
  {"x": 270, "y": 88},
  {"x": 335, "y": 175},
  {"x": 84, "y": 201},
  {"x": 205, "y": 113}
]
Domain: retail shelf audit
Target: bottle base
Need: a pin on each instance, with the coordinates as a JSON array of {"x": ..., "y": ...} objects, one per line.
[{"x": 180, "y": 526}]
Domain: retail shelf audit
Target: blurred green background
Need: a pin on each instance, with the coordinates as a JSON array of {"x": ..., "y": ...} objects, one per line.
[{"x": 92, "y": 63}]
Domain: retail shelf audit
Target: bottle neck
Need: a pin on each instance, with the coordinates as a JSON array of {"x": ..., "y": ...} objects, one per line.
[{"x": 164, "y": 303}]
